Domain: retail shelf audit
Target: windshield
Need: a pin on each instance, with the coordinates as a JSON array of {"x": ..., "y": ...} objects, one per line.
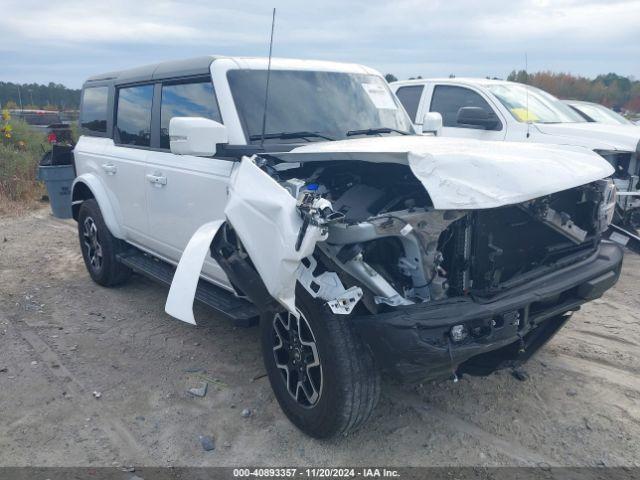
[
  {"x": 601, "y": 114},
  {"x": 327, "y": 104},
  {"x": 529, "y": 104}
]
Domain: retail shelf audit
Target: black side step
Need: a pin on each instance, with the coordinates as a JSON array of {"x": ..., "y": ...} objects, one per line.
[{"x": 241, "y": 312}]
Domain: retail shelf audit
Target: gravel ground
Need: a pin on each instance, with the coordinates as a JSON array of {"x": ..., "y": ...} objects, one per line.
[{"x": 62, "y": 338}]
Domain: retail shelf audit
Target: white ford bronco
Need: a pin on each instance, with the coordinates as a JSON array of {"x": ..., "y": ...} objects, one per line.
[{"x": 312, "y": 208}]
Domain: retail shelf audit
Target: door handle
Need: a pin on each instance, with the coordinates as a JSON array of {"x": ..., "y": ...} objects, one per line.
[
  {"x": 157, "y": 180},
  {"x": 109, "y": 168}
]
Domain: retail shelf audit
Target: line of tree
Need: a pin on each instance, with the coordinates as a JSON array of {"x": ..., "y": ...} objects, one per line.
[
  {"x": 613, "y": 90},
  {"x": 53, "y": 96}
]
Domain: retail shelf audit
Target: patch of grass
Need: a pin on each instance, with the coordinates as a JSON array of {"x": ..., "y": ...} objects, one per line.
[{"x": 19, "y": 157}]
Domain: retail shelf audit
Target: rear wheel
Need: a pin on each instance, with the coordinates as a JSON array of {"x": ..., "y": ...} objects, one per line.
[
  {"x": 99, "y": 247},
  {"x": 322, "y": 375}
]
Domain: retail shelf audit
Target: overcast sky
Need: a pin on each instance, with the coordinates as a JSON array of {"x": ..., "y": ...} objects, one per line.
[{"x": 66, "y": 41}]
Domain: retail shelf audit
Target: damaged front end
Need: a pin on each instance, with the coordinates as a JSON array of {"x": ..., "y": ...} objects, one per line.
[{"x": 431, "y": 291}]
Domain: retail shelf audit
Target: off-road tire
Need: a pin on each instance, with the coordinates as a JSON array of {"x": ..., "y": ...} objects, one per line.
[
  {"x": 350, "y": 381},
  {"x": 108, "y": 272}
]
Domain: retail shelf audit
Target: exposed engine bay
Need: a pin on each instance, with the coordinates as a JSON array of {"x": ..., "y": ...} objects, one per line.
[{"x": 382, "y": 244}]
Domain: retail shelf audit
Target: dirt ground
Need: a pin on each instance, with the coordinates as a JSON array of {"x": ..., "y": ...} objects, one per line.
[{"x": 62, "y": 338}]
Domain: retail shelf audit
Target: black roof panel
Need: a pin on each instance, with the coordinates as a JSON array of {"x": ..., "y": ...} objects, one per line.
[{"x": 157, "y": 71}]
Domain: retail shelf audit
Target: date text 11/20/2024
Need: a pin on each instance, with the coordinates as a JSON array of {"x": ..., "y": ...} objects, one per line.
[{"x": 316, "y": 472}]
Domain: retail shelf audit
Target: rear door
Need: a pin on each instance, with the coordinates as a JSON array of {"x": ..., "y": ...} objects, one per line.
[
  {"x": 447, "y": 100},
  {"x": 183, "y": 191},
  {"x": 124, "y": 163}
]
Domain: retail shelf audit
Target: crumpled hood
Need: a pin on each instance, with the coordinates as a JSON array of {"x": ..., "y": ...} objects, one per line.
[
  {"x": 595, "y": 136},
  {"x": 469, "y": 174}
]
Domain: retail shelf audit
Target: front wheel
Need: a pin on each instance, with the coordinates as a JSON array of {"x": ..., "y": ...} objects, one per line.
[{"x": 322, "y": 375}]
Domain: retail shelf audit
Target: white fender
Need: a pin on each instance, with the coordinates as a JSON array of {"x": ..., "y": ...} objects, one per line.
[
  {"x": 265, "y": 217},
  {"x": 109, "y": 214},
  {"x": 185, "y": 281}
]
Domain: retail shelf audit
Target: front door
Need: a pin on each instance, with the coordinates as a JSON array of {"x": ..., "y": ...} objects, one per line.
[{"x": 183, "y": 191}]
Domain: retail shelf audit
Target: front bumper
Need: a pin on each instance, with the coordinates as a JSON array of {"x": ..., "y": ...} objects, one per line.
[{"x": 413, "y": 343}]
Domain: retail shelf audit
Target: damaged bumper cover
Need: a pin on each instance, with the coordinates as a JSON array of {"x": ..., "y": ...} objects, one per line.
[{"x": 464, "y": 335}]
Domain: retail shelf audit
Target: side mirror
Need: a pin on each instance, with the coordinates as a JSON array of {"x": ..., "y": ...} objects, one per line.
[
  {"x": 196, "y": 136},
  {"x": 477, "y": 117},
  {"x": 432, "y": 122}
]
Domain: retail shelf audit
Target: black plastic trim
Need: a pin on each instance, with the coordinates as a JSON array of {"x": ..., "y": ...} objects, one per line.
[{"x": 413, "y": 343}]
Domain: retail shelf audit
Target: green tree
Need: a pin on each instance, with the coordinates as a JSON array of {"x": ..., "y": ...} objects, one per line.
[
  {"x": 39, "y": 96},
  {"x": 611, "y": 89}
]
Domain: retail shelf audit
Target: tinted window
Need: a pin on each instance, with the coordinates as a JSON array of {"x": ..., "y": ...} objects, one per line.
[
  {"x": 447, "y": 100},
  {"x": 94, "y": 109},
  {"x": 186, "y": 100},
  {"x": 410, "y": 98},
  {"x": 133, "y": 124}
]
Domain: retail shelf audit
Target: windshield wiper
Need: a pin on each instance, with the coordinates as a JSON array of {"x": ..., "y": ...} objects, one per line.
[
  {"x": 285, "y": 135},
  {"x": 376, "y": 131}
]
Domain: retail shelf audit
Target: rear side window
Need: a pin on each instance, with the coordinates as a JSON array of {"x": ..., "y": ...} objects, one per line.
[
  {"x": 93, "y": 117},
  {"x": 195, "y": 99},
  {"x": 448, "y": 99},
  {"x": 409, "y": 96},
  {"x": 133, "y": 122}
]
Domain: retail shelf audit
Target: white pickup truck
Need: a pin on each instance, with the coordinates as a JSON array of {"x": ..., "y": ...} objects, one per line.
[
  {"x": 359, "y": 246},
  {"x": 486, "y": 109}
]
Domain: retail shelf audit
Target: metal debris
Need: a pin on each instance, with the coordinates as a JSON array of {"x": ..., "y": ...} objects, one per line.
[{"x": 200, "y": 390}]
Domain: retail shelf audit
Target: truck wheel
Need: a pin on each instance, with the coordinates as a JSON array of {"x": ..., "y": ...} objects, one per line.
[
  {"x": 322, "y": 375},
  {"x": 99, "y": 247}
]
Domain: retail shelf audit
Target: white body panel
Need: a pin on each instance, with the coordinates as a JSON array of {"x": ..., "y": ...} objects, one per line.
[
  {"x": 121, "y": 173},
  {"x": 185, "y": 280},
  {"x": 265, "y": 218},
  {"x": 470, "y": 174}
]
